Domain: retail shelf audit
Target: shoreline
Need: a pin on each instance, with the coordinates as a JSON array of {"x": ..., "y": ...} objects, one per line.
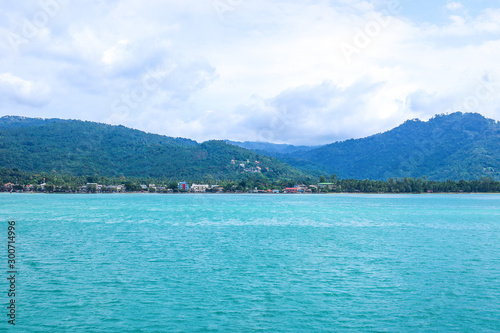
[{"x": 248, "y": 193}]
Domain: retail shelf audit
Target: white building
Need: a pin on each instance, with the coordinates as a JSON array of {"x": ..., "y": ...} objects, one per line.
[{"x": 197, "y": 188}]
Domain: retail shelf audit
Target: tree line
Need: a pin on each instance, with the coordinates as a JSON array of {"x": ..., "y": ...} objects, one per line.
[{"x": 56, "y": 182}]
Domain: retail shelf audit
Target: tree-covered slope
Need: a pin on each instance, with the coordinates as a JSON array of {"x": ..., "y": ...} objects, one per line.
[
  {"x": 271, "y": 148},
  {"x": 87, "y": 148},
  {"x": 19, "y": 122},
  {"x": 455, "y": 146}
]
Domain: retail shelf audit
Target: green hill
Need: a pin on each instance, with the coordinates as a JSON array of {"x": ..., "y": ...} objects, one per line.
[
  {"x": 455, "y": 146},
  {"x": 86, "y": 148},
  {"x": 271, "y": 148}
]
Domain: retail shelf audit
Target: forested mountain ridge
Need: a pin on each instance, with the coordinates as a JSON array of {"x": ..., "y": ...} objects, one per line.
[
  {"x": 20, "y": 122},
  {"x": 87, "y": 148},
  {"x": 454, "y": 146},
  {"x": 271, "y": 148}
]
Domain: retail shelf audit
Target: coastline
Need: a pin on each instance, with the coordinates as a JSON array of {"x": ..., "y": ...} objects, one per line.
[{"x": 250, "y": 193}]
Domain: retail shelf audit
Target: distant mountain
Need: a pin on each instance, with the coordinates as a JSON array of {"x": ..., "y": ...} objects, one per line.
[
  {"x": 454, "y": 146},
  {"x": 271, "y": 148},
  {"x": 88, "y": 148},
  {"x": 285, "y": 153},
  {"x": 20, "y": 122}
]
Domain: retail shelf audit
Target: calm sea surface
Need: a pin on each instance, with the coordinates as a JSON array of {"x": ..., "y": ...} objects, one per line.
[{"x": 245, "y": 263}]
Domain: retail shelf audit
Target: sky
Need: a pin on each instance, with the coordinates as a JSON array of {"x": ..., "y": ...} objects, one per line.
[{"x": 304, "y": 72}]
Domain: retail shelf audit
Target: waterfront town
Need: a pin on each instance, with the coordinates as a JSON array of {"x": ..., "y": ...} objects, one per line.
[
  {"x": 180, "y": 187},
  {"x": 398, "y": 185}
]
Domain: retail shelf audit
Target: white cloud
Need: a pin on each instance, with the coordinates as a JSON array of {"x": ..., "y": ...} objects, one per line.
[
  {"x": 19, "y": 91},
  {"x": 454, "y": 6},
  {"x": 231, "y": 75}
]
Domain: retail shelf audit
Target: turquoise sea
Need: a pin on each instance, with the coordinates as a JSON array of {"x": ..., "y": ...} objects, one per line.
[{"x": 254, "y": 263}]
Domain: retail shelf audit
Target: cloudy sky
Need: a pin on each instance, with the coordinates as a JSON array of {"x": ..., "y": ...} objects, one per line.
[{"x": 300, "y": 72}]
